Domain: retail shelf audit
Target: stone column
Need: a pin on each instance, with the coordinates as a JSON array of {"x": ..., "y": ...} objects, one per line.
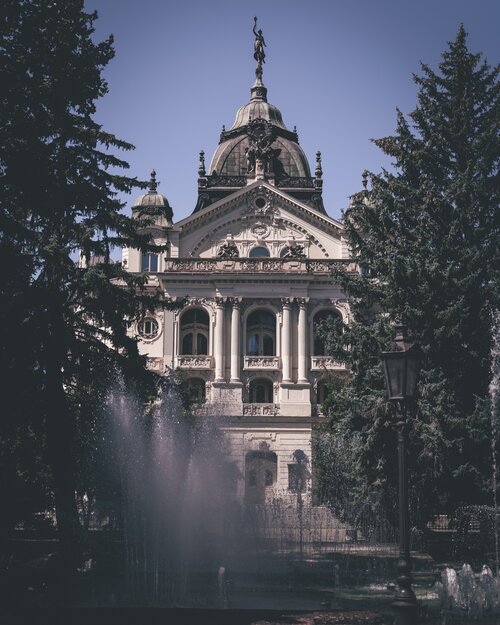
[
  {"x": 302, "y": 340},
  {"x": 235, "y": 339},
  {"x": 219, "y": 339},
  {"x": 285, "y": 342}
]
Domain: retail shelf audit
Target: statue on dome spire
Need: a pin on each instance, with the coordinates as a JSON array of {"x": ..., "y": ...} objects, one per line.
[{"x": 259, "y": 55}]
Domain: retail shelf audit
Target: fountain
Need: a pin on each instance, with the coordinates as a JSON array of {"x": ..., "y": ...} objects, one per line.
[
  {"x": 179, "y": 515},
  {"x": 190, "y": 544}
]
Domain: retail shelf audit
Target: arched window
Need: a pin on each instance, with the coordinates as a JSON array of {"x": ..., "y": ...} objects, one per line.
[
  {"x": 149, "y": 262},
  {"x": 321, "y": 391},
  {"x": 194, "y": 332},
  {"x": 195, "y": 388},
  {"x": 259, "y": 251},
  {"x": 261, "y": 391},
  {"x": 322, "y": 319},
  {"x": 261, "y": 333}
]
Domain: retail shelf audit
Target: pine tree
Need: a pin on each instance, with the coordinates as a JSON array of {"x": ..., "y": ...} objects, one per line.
[
  {"x": 63, "y": 322},
  {"x": 426, "y": 235}
]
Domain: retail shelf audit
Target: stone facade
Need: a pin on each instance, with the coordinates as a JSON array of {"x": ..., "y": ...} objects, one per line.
[{"x": 252, "y": 267}]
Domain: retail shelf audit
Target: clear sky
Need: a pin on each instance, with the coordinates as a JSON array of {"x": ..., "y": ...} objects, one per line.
[{"x": 336, "y": 69}]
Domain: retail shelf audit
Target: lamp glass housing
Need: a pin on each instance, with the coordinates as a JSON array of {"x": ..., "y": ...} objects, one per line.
[{"x": 400, "y": 362}]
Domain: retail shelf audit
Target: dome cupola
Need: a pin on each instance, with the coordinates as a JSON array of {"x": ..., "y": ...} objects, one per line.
[
  {"x": 153, "y": 203},
  {"x": 258, "y": 146}
]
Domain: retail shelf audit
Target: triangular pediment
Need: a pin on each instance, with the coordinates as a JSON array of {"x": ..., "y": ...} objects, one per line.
[{"x": 260, "y": 214}]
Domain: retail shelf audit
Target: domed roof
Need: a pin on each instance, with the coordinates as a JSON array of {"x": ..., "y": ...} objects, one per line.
[
  {"x": 258, "y": 109},
  {"x": 230, "y": 158},
  {"x": 152, "y": 201},
  {"x": 258, "y": 146}
]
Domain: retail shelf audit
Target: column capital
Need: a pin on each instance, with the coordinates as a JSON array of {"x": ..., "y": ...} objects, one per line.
[
  {"x": 220, "y": 301},
  {"x": 286, "y": 302},
  {"x": 235, "y": 301},
  {"x": 302, "y": 302}
]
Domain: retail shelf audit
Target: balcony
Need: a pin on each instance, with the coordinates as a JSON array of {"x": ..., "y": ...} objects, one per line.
[
  {"x": 322, "y": 363},
  {"x": 193, "y": 362},
  {"x": 261, "y": 410},
  {"x": 261, "y": 362}
]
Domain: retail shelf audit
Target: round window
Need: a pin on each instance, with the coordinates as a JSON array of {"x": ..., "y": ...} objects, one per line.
[
  {"x": 148, "y": 328},
  {"x": 260, "y": 202}
]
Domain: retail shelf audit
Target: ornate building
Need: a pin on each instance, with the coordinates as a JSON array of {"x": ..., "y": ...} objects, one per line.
[{"x": 253, "y": 263}]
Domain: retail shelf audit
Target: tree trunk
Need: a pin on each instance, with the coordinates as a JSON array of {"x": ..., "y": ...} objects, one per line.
[{"x": 60, "y": 438}]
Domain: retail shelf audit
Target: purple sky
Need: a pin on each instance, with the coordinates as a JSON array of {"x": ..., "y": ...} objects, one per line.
[{"x": 337, "y": 70}]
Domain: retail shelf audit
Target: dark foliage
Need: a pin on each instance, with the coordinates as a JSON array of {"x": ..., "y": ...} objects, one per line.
[
  {"x": 426, "y": 235},
  {"x": 63, "y": 322}
]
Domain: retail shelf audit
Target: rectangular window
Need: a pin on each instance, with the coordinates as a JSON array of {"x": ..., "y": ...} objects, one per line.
[{"x": 150, "y": 262}]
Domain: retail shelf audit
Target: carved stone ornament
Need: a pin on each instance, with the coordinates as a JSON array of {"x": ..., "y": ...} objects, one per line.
[
  {"x": 294, "y": 250},
  {"x": 260, "y": 230},
  {"x": 260, "y": 410},
  {"x": 261, "y": 203},
  {"x": 261, "y": 362},
  {"x": 155, "y": 364},
  {"x": 228, "y": 250},
  {"x": 194, "y": 362},
  {"x": 259, "y": 153},
  {"x": 325, "y": 363},
  {"x": 200, "y": 301}
]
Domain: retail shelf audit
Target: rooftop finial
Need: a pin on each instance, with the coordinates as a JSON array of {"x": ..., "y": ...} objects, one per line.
[
  {"x": 152, "y": 183},
  {"x": 259, "y": 92},
  {"x": 201, "y": 168},
  {"x": 319, "y": 170}
]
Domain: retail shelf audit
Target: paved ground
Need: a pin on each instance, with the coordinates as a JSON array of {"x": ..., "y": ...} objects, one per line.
[{"x": 186, "y": 617}]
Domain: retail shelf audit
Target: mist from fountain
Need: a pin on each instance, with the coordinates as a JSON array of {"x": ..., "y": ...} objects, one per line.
[
  {"x": 192, "y": 541},
  {"x": 178, "y": 500}
]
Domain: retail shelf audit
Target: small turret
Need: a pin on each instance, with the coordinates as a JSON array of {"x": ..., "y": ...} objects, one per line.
[{"x": 152, "y": 203}]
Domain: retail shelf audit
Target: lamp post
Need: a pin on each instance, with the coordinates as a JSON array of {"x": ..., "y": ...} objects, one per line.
[{"x": 400, "y": 361}]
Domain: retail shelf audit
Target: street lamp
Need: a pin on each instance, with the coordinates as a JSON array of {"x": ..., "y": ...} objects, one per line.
[{"x": 400, "y": 361}]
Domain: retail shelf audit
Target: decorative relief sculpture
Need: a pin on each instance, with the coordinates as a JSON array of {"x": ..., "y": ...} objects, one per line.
[
  {"x": 226, "y": 181},
  {"x": 258, "y": 410},
  {"x": 285, "y": 265},
  {"x": 294, "y": 250},
  {"x": 200, "y": 301},
  {"x": 325, "y": 362},
  {"x": 260, "y": 155},
  {"x": 261, "y": 362},
  {"x": 194, "y": 362},
  {"x": 154, "y": 364},
  {"x": 296, "y": 182},
  {"x": 260, "y": 230},
  {"x": 228, "y": 250}
]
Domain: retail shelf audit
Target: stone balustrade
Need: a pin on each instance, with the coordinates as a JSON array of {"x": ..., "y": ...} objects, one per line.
[
  {"x": 193, "y": 362},
  {"x": 257, "y": 265},
  {"x": 261, "y": 410},
  {"x": 320, "y": 363},
  {"x": 261, "y": 362}
]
